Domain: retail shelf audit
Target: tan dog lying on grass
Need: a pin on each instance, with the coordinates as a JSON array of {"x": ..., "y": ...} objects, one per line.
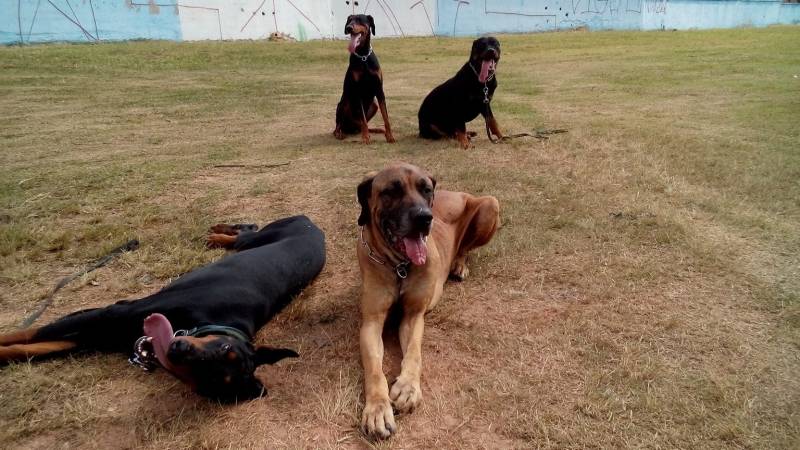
[{"x": 410, "y": 244}]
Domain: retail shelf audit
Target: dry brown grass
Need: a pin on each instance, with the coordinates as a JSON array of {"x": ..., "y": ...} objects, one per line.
[{"x": 643, "y": 291}]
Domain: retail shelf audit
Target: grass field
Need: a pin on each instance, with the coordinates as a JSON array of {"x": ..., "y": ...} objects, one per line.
[{"x": 643, "y": 292}]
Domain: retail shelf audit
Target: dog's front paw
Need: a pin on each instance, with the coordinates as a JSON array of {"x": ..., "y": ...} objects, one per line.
[
  {"x": 390, "y": 138},
  {"x": 377, "y": 420},
  {"x": 406, "y": 395},
  {"x": 365, "y": 140},
  {"x": 459, "y": 271},
  {"x": 337, "y": 133}
]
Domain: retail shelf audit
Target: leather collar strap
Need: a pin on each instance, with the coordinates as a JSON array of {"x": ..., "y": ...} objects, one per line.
[{"x": 206, "y": 330}]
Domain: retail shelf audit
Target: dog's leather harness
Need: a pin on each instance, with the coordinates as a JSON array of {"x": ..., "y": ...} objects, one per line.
[
  {"x": 400, "y": 269},
  {"x": 145, "y": 358}
]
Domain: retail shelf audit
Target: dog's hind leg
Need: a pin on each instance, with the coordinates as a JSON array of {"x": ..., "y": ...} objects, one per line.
[
  {"x": 482, "y": 226},
  {"x": 18, "y": 337},
  {"x": 22, "y": 352},
  {"x": 219, "y": 240}
]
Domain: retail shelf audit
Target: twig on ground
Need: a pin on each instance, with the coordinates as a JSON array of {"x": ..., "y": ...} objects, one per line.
[
  {"x": 129, "y": 246},
  {"x": 254, "y": 166}
]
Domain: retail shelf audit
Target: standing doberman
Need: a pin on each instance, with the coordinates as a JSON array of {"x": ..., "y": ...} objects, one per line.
[
  {"x": 446, "y": 110},
  {"x": 363, "y": 84}
]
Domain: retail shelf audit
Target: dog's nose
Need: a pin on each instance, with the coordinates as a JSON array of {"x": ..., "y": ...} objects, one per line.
[
  {"x": 348, "y": 29},
  {"x": 492, "y": 52},
  {"x": 423, "y": 218}
]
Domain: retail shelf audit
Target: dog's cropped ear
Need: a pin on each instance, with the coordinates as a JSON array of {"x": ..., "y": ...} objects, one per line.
[
  {"x": 347, "y": 22},
  {"x": 364, "y": 192},
  {"x": 269, "y": 355},
  {"x": 371, "y": 24}
]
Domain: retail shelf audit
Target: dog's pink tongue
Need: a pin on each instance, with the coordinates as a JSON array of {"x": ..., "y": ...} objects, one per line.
[
  {"x": 159, "y": 329},
  {"x": 416, "y": 249},
  {"x": 485, "y": 67},
  {"x": 354, "y": 41}
]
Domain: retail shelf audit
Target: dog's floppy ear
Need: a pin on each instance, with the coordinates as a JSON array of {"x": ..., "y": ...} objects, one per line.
[
  {"x": 371, "y": 24},
  {"x": 347, "y": 22},
  {"x": 269, "y": 355},
  {"x": 433, "y": 188},
  {"x": 364, "y": 191}
]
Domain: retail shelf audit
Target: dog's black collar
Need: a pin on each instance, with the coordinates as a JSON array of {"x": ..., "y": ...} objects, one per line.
[{"x": 206, "y": 330}]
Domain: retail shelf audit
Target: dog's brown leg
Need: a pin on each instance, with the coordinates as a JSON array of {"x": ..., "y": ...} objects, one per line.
[
  {"x": 385, "y": 116},
  {"x": 21, "y": 352},
  {"x": 377, "y": 418},
  {"x": 463, "y": 139},
  {"x": 364, "y": 127},
  {"x": 19, "y": 337},
  {"x": 218, "y": 240},
  {"x": 483, "y": 214},
  {"x": 492, "y": 122},
  {"x": 406, "y": 393},
  {"x": 223, "y": 228}
]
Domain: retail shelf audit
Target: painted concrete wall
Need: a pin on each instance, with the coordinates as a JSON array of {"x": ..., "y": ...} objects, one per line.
[
  {"x": 30, "y": 21},
  {"x": 688, "y": 14},
  {"x": 86, "y": 20}
]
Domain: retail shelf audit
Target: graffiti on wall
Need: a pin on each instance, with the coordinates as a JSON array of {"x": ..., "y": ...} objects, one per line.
[{"x": 28, "y": 21}]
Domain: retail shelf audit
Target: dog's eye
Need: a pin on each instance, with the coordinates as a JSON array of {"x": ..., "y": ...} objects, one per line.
[
  {"x": 393, "y": 191},
  {"x": 226, "y": 347},
  {"x": 426, "y": 190}
]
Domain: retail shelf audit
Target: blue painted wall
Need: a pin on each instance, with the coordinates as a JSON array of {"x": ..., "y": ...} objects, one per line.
[
  {"x": 86, "y": 20},
  {"x": 30, "y": 21},
  {"x": 688, "y": 14}
]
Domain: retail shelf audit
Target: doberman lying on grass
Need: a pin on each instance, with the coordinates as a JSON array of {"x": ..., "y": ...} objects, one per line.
[
  {"x": 363, "y": 84},
  {"x": 217, "y": 309}
]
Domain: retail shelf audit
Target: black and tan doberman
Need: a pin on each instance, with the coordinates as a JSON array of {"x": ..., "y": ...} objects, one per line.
[
  {"x": 446, "y": 110},
  {"x": 362, "y": 94},
  {"x": 217, "y": 310}
]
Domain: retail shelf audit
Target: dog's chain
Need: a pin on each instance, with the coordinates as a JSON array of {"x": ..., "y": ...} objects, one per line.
[
  {"x": 401, "y": 269},
  {"x": 486, "y": 98},
  {"x": 143, "y": 354},
  {"x": 364, "y": 58}
]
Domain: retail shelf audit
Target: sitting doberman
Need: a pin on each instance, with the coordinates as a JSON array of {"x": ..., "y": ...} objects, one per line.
[
  {"x": 363, "y": 83},
  {"x": 446, "y": 110},
  {"x": 217, "y": 310}
]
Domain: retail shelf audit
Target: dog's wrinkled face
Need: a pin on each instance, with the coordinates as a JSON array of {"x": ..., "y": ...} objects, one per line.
[
  {"x": 397, "y": 201},
  {"x": 215, "y": 366},
  {"x": 358, "y": 27},
  {"x": 485, "y": 56}
]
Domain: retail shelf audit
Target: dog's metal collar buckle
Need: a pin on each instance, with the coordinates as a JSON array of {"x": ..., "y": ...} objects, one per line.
[
  {"x": 401, "y": 269},
  {"x": 363, "y": 58}
]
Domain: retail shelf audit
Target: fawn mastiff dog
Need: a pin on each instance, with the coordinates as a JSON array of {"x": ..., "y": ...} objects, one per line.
[{"x": 411, "y": 240}]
